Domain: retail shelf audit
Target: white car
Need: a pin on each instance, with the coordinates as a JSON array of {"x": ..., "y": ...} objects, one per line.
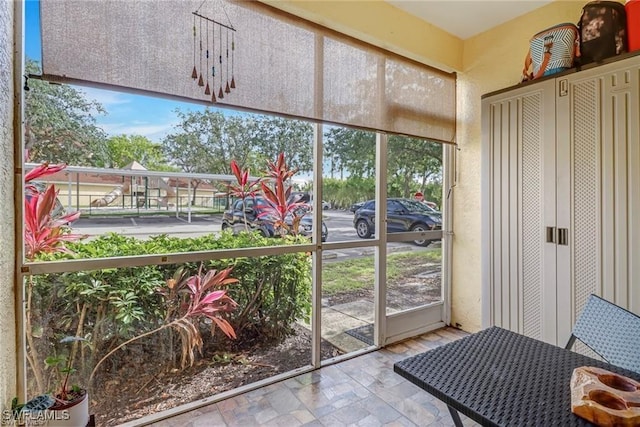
[{"x": 326, "y": 205}]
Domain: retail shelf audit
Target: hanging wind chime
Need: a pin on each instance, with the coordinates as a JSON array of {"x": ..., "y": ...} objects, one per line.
[
  {"x": 200, "y": 82},
  {"x": 208, "y": 51},
  {"x": 207, "y": 90}
]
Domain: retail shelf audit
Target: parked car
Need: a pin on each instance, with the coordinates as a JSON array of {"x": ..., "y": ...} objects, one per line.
[
  {"x": 251, "y": 209},
  {"x": 402, "y": 215},
  {"x": 354, "y": 207},
  {"x": 432, "y": 205},
  {"x": 58, "y": 209},
  {"x": 300, "y": 197},
  {"x": 305, "y": 197}
]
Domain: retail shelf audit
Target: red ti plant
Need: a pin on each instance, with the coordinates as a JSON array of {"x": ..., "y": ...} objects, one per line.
[
  {"x": 201, "y": 297},
  {"x": 41, "y": 170},
  {"x": 207, "y": 301},
  {"x": 278, "y": 201},
  {"x": 42, "y": 234},
  {"x": 245, "y": 188}
]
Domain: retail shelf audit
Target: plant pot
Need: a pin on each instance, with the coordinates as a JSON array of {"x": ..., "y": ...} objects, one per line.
[{"x": 71, "y": 414}]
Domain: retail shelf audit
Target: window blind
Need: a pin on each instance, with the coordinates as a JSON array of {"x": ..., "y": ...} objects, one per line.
[{"x": 279, "y": 63}]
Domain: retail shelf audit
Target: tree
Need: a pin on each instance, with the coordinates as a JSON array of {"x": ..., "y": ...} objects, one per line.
[
  {"x": 411, "y": 161},
  {"x": 206, "y": 142},
  {"x": 60, "y": 124},
  {"x": 122, "y": 150},
  {"x": 279, "y": 135},
  {"x": 352, "y": 151},
  {"x": 195, "y": 145}
]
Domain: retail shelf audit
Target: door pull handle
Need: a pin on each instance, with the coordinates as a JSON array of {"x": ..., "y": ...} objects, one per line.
[
  {"x": 551, "y": 234},
  {"x": 563, "y": 236}
]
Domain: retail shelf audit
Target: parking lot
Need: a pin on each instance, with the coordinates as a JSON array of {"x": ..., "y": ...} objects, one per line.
[{"x": 339, "y": 223}]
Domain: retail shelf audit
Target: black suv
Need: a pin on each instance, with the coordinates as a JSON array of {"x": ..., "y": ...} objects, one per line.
[
  {"x": 402, "y": 215},
  {"x": 251, "y": 209}
]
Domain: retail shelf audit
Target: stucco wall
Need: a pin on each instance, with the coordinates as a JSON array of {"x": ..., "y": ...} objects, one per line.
[
  {"x": 7, "y": 319},
  {"x": 486, "y": 62},
  {"x": 380, "y": 24},
  {"x": 492, "y": 60}
]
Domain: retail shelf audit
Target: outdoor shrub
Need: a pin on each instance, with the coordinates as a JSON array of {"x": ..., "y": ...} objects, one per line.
[
  {"x": 109, "y": 306},
  {"x": 273, "y": 292}
]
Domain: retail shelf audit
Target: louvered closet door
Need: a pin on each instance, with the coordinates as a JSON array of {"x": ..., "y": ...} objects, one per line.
[
  {"x": 519, "y": 149},
  {"x": 598, "y": 196}
]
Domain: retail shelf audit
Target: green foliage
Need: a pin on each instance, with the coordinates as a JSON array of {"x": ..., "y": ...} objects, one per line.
[
  {"x": 60, "y": 123},
  {"x": 190, "y": 301},
  {"x": 110, "y": 306},
  {"x": 122, "y": 150},
  {"x": 207, "y": 141},
  {"x": 343, "y": 193},
  {"x": 280, "y": 135},
  {"x": 351, "y": 152},
  {"x": 413, "y": 164},
  {"x": 63, "y": 364},
  {"x": 272, "y": 293}
]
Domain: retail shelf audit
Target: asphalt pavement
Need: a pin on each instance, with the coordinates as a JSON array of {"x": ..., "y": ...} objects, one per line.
[{"x": 339, "y": 224}]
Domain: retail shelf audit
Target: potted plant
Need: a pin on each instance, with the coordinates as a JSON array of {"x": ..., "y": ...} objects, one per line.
[{"x": 65, "y": 406}]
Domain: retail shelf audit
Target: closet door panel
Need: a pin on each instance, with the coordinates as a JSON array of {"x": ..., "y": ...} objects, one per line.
[
  {"x": 598, "y": 142},
  {"x": 537, "y": 201},
  {"x": 580, "y": 184},
  {"x": 633, "y": 168},
  {"x": 620, "y": 133},
  {"x": 503, "y": 150},
  {"x": 518, "y": 130}
]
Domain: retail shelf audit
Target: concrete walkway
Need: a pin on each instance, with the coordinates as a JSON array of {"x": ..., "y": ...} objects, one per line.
[{"x": 338, "y": 319}]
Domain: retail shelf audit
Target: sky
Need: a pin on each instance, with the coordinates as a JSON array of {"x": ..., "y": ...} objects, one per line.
[{"x": 126, "y": 113}]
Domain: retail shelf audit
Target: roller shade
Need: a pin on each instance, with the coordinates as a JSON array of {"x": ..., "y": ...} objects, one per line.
[{"x": 278, "y": 63}]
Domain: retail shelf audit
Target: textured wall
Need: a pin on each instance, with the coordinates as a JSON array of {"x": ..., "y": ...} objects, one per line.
[
  {"x": 381, "y": 24},
  {"x": 7, "y": 224},
  {"x": 487, "y": 62},
  {"x": 492, "y": 60}
]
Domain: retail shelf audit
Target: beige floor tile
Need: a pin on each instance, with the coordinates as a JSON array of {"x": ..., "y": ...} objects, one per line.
[{"x": 363, "y": 391}]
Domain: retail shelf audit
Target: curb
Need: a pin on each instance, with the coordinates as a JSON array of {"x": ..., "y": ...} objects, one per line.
[{"x": 329, "y": 255}]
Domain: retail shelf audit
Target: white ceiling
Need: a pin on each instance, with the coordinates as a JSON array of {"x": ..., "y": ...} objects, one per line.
[{"x": 466, "y": 18}]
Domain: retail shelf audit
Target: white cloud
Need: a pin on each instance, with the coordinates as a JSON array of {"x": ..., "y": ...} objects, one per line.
[
  {"x": 153, "y": 131},
  {"x": 105, "y": 97}
]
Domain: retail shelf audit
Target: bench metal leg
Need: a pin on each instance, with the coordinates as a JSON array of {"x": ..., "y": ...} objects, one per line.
[{"x": 456, "y": 417}]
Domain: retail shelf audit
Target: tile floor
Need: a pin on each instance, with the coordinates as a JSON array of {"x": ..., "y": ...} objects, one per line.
[{"x": 363, "y": 391}]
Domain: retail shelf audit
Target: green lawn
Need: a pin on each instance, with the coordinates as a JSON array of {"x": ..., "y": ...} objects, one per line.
[{"x": 357, "y": 273}]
